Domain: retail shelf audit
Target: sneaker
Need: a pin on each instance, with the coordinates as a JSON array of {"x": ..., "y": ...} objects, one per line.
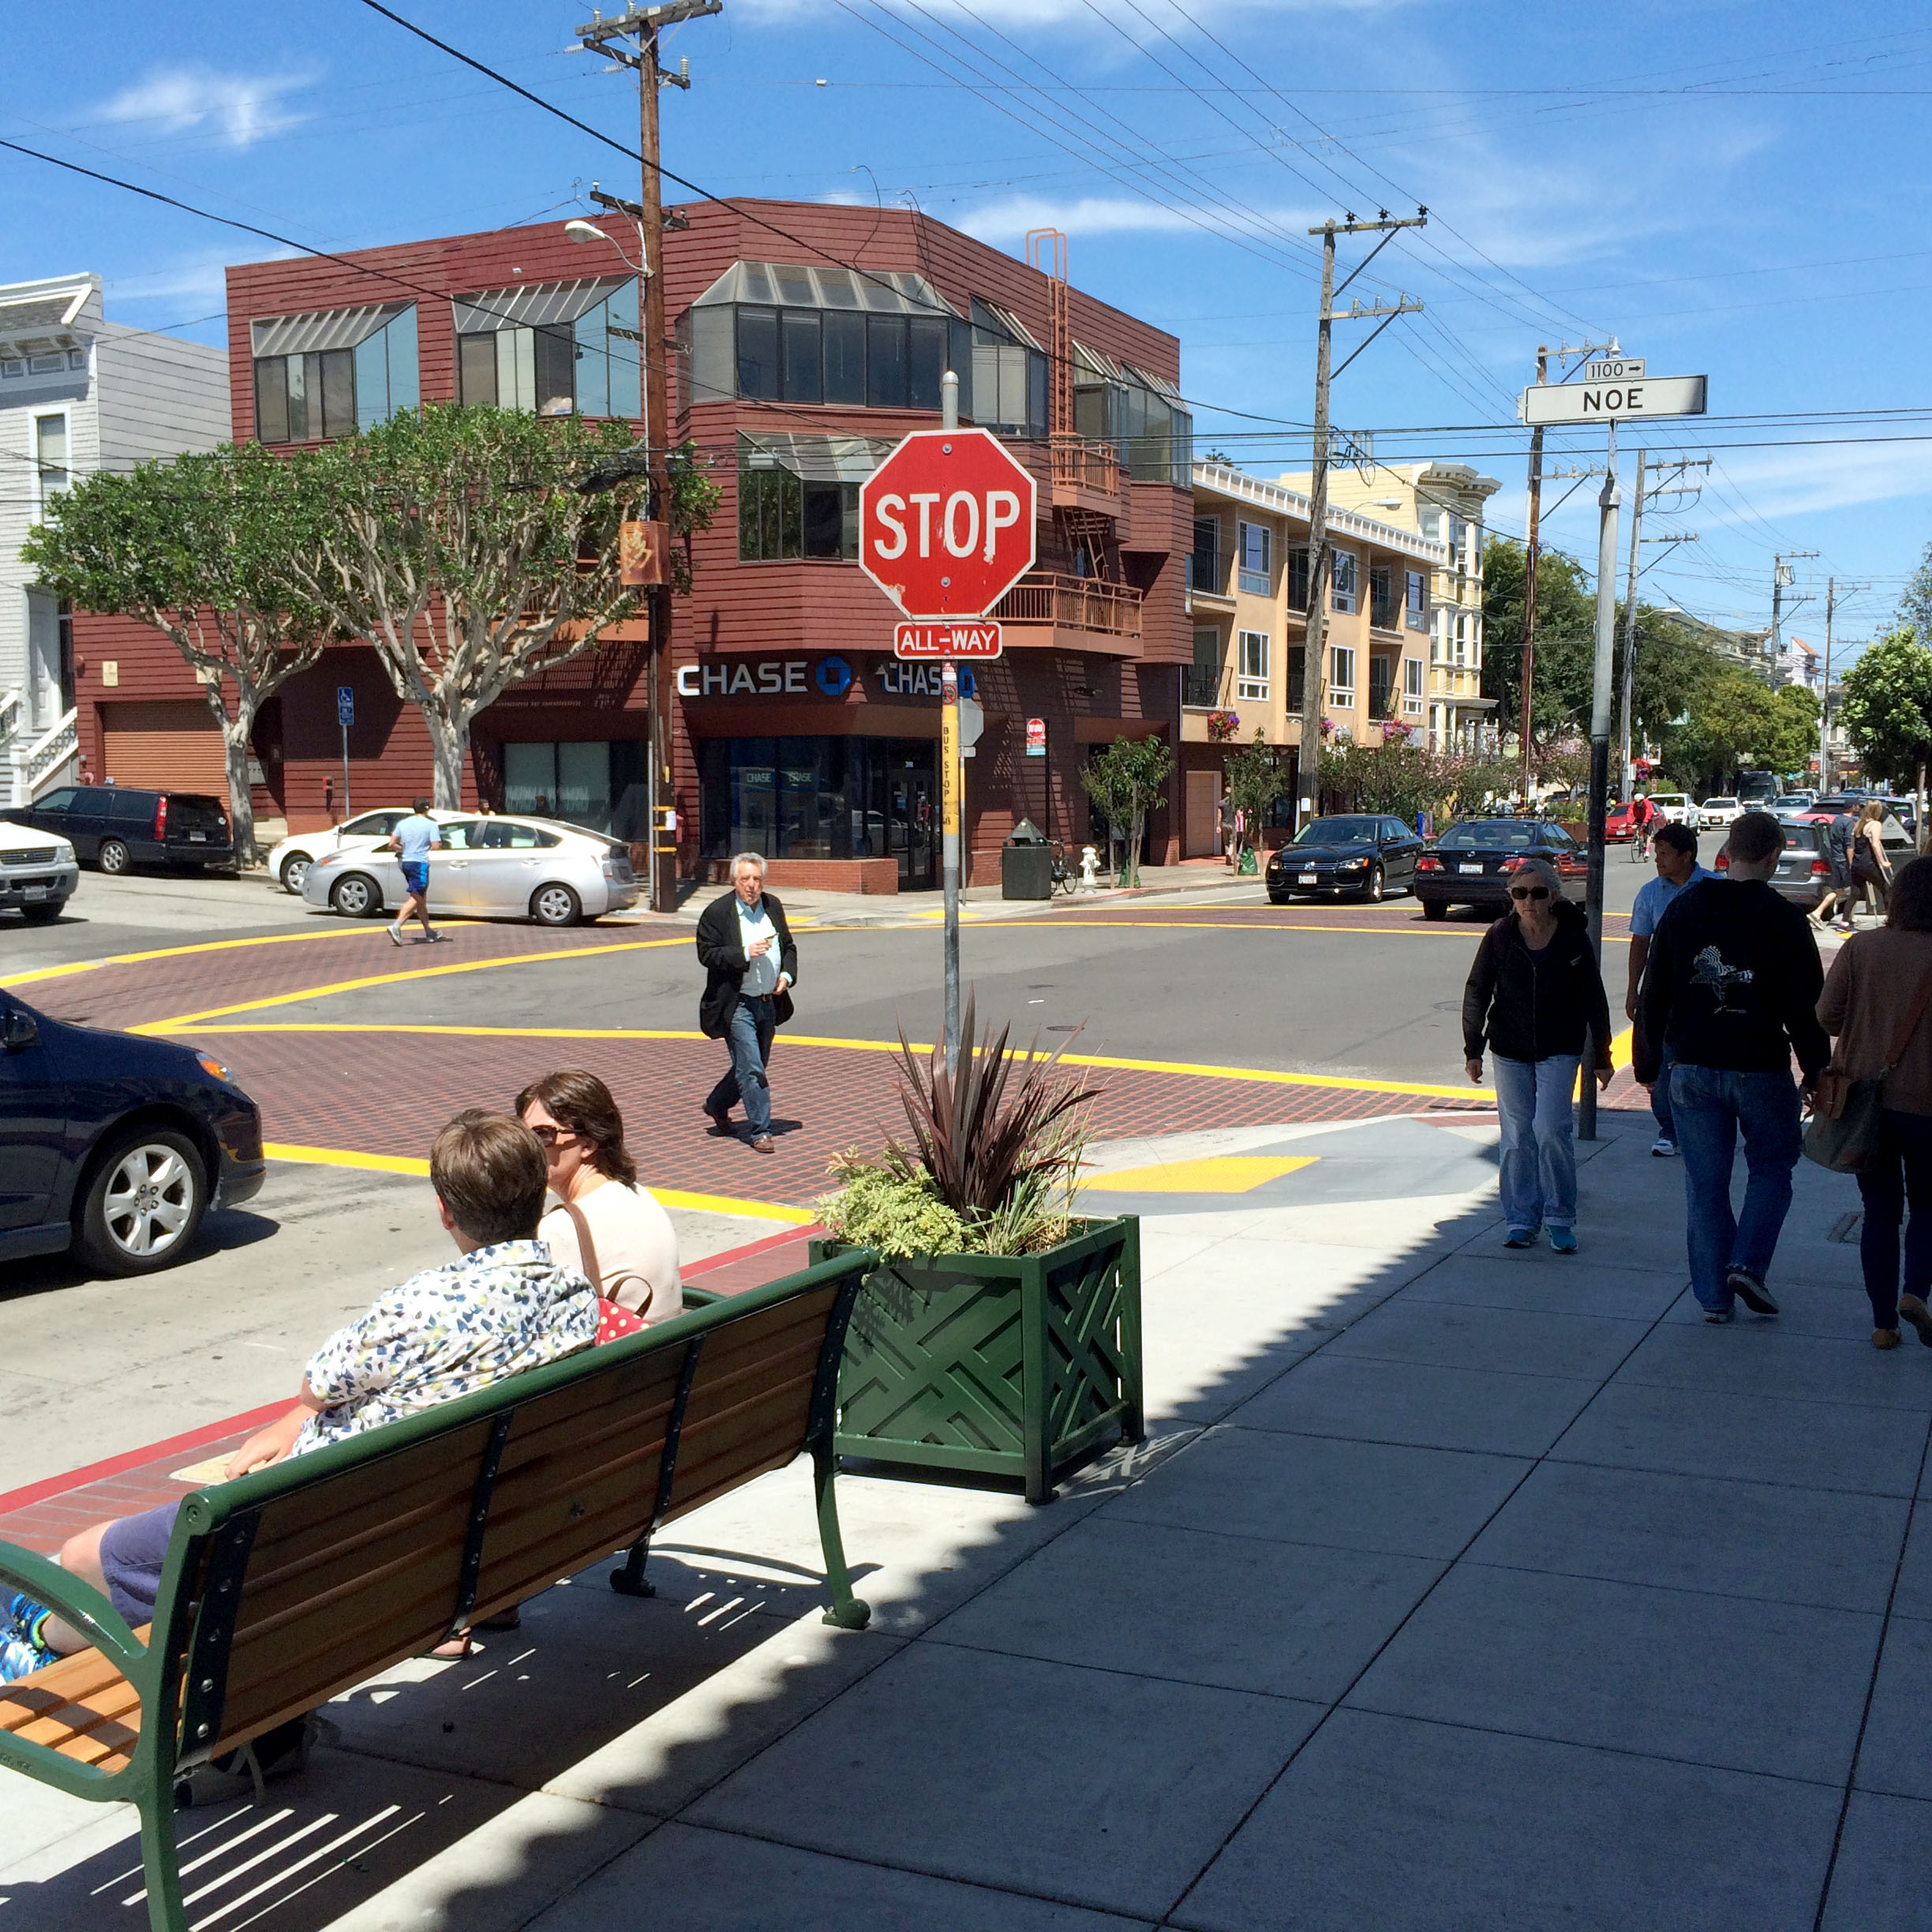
[
  {"x": 245, "y": 1773},
  {"x": 1912, "y": 1308},
  {"x": 21, "y": 1658},
  {"x": 395, "y": 934},
  {"x": 24, "y": 1617},
  {"x": 1563, "y": 1240},
  {"x": 1663, "y": 1147},
  {"x": 1717, "y": 1317},
  {"x": 1520, "y": 1238},
  {"x": 1749, "y": 1290}
]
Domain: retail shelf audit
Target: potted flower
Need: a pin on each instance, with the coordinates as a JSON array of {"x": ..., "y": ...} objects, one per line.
[
  {"x": 1222, "y": 725},
  {"x": 1000, "y": 1335}
]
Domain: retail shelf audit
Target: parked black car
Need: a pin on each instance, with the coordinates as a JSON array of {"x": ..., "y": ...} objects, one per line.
[
  {"x": 1362, "y": 856},
  {"x": 1803, "y": 875},
  {"x": 115, "y": 1144},
  {"x": 118, "y": 827},
  {"x": 1470, "y": 863}
]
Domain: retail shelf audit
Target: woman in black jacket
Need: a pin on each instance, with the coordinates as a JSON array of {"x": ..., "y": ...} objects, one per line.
[{"x": 1533, "y": 994}]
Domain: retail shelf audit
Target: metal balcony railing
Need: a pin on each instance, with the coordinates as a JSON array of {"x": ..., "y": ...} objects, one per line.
[
  {"x": 1072, "y": 604},
  {"x": 1201, "y": 686}
]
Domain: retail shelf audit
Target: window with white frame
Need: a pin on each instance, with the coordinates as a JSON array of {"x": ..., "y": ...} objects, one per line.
[
  {"x": 51, "y": 454},
  {"x": 1412, "y": 684},
  {"x": 1342, "y": 674},
  {"x": 1416, "y": 609},
  {"x": 1461, "y": 637},
  {"x": 1343, "y": 570},
  {"x": 1251, "y": 665},
  {"x": 1257, "y": 560},
  {"x": 1458, "y": 543}
]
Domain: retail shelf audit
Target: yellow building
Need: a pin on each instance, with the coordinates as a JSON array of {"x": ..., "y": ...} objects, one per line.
[
  {"x": 1443, "y": 501},
  {"x": 1248, "y": 588}
]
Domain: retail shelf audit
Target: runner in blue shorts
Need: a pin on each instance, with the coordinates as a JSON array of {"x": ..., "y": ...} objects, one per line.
[{"x": 412, "y": 841}]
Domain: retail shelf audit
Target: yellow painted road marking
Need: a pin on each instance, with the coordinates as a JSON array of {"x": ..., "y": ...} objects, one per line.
[
  {"x": 182, "y": 951},
  {"x": 1221, "y": 1173},
  {"x": 408, "y": 1164}
]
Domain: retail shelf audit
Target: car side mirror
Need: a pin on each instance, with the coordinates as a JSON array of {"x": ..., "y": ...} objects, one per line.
[{"x": 20, "y": 1032}]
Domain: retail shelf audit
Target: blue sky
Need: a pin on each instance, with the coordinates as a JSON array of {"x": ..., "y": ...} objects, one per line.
[{"x": 1739, "y": 190}]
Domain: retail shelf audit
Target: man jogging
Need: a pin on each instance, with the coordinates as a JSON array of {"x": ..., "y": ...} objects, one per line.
[
  {"x": 1730, "y": 992},
  {"x": 412, "y": 841},
  {"x": 1677, "y": 869}
]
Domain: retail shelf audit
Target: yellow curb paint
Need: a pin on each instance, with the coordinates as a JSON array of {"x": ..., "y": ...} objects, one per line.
[
  {"x": 1277, "y": 928},
  {"x": 184, "y": 951},
  {"x": 408, "y": 1164},
  {"x": 1223, "y": 1174}
]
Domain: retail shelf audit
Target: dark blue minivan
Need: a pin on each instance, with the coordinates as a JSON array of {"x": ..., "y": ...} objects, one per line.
[{"x": 115, "y": 1144}]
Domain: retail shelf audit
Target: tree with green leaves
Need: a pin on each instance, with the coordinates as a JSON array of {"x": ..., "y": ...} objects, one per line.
[
  {"x": 462, "y": 547},
  {"x": 1255, "y": 776},
  {"x": 1126, "y": 781},
  {"x": 208, "y": 549},
  {"x": 1914, "y": 604},
  {"x": 1887, "y": 707}
]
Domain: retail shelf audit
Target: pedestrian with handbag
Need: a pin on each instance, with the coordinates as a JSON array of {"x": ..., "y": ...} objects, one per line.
[
  {"x": 1874, "y": 1115},
  {"x": 1870, "y": 868}
]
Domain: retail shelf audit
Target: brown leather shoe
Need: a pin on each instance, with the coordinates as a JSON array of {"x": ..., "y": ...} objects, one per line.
[
  {"x": 761, "y": 1145},
  {"x": 1884, "y": 1337},
  {"x": 1914, "y": 1311}
]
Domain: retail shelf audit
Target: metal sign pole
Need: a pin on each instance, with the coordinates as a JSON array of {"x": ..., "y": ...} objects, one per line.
[
  {"x": 950, "y": 773},
  {"x": 1608, "y": 503}
]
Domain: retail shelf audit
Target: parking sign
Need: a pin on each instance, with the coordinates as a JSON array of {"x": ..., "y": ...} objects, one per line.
[{"x": 344, "y": 705}]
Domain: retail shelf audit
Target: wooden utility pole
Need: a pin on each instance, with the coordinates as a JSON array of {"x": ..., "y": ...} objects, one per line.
[
  {"x": 1624, "y": 774},
  {"x": 1530, "y": 554},
  {"x": 1307, "y": 779},
  {"x": 643, "y": 24}
]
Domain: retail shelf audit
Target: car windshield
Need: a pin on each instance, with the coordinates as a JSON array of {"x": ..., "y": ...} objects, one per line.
[
  {"x": 1489, "y": 835},
  {"x": 1337, "y": 832}
]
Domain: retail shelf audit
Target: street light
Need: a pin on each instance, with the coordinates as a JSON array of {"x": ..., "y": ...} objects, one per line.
[{"x": 589, "y": 231}]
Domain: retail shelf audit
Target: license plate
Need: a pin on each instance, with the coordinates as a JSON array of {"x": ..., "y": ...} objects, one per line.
[
  {"x": 36, "y": 891},
  {"x": 197, "y": 838},
  {"x": 1307, "y": 878},
  {"x": 1468, "y": 868}
]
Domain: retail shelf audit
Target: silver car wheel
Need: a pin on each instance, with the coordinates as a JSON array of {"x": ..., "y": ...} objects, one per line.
[
  {"x": 355, "y": 897},
  {"x": 555, "y": 905},
  {"x": 295, "y": 870},
  {"x": 150, "y": 1200}
]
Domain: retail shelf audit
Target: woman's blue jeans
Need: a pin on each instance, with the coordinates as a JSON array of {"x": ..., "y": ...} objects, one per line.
[{"x": 1538, "y": 1154}]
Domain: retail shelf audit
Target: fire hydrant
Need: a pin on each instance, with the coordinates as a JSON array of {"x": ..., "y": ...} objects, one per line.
[{"x": 1090, "y": 867}]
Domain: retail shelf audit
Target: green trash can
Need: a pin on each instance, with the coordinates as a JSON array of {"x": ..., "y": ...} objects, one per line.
[{"x": 1026, "y": 863}]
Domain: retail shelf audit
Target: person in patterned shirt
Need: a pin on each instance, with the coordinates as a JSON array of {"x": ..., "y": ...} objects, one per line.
[{"x": 502, "y": 1306}]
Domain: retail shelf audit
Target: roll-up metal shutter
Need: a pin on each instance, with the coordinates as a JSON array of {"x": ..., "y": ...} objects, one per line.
[{"x": 164, "y": 746}]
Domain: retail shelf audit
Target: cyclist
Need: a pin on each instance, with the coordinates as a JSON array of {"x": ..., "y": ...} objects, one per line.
[{"x": 1643, "y": 814}]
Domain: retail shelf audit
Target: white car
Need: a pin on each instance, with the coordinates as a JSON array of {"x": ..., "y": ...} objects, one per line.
[
  {"x": 38, "y": 872},
  {"x": 1675, "y": 808},
  {"x": 289, "y": 864},
  {"x": 487, "y": 867},
  {"x": 1715, "y": 812}
]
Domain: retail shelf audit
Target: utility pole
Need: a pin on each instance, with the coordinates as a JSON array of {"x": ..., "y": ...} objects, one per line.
[
  {"x": 1608, "y": 502},
  {"x": 1307, "y": 767},
  {"x": 1624, "y": 773},
  {"x": 1532, "y": 551},
  {"x": 643, "y": 24},
  {"x": 1831, "y": 611},
  {"x": 1782, "y": 577}
]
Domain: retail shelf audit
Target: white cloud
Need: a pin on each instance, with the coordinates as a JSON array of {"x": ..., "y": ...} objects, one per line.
[
  {"x": 1790, "y": 482},
  {"x": 240, "y": 109},
  {"x": 1008, "y": 219},
  {"x": 201, "y": 287}
]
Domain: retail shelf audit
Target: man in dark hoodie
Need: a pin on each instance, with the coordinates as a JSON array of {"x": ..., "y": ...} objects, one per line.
[{"x": 1731, "y": 988}]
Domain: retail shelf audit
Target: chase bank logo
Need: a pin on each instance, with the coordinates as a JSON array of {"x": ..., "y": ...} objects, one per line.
[{"x": 834, "y": 676}]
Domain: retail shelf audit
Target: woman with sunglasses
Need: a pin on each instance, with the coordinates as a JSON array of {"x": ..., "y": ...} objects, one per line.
[
  {"x": 608, "y": 1227},
  {"x": 1533, "y": 994}
]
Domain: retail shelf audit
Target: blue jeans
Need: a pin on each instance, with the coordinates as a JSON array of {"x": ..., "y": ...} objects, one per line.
[
  {"x": 1659, "y": 1096},
  {"x": 1710, "y": 1106},
  {"x": 1901, "y": 1170},
  {"x": 749, "y": 1037},
  {"x": 1539, "y": 1147}
]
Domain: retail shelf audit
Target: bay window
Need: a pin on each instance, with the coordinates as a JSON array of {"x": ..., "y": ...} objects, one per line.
[{"x": 324, "y": 375}]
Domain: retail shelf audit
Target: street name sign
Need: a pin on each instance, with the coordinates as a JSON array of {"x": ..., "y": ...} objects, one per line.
[
  {"x": 946, "y": 640},
  {"x": 1619, "y": 401},
  {"x": 946, "y": 523}
]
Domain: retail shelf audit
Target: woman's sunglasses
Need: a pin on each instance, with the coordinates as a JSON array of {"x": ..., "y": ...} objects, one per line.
[
  {"x": 1529, "y": 892},
  {"x": 552, "y": 1136}
]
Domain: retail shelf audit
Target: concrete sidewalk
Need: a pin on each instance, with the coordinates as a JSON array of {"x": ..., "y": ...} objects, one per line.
[{"x": 1452, "y": 1588}]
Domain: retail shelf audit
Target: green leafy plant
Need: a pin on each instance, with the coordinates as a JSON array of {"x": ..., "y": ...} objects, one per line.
[
  {"x": 1126, "y": 783},
  {"x": 995, "y": 1158}
]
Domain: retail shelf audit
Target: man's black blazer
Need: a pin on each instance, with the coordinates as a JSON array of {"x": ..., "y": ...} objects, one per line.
[{"x": 722, "y": 953}]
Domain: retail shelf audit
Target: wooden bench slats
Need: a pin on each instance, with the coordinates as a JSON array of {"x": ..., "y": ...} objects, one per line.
[{"x": 81, "y": 1707}]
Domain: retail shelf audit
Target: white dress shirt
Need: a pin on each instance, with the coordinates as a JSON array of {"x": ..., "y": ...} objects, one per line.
[{"x": 761, "y": 973}]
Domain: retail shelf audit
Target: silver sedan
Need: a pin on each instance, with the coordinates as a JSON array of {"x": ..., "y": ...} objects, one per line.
[{"x": 487, "y": 868}]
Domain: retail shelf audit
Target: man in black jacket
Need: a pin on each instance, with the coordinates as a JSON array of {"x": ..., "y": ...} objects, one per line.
[
  {"x": 1731, "y": 988},
  {"x": 751, "y": 964}
]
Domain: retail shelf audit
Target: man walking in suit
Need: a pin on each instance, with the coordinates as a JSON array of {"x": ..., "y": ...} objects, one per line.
[{"x": 751, "y": 964}]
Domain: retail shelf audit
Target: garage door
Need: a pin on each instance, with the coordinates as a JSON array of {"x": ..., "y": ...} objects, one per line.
[{"x": 163, "y": 746}]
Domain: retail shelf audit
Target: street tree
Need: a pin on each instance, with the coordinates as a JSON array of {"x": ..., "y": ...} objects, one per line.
[
  {"x": 1255, "y": 776},
  {"x": 1914, "y": 604},
  {"x": 462, "y": 547},
  {"x": 1887, "y": 707},
  {"x": 1126, "y": 781},
  {"x": 206, "y": 548}
]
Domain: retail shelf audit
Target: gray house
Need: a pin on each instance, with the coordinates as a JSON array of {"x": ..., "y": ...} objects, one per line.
[{"x": 77, "y": 394}]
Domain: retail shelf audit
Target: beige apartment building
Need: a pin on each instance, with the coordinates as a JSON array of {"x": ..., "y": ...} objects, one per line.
[
  {"x": 1247, "y": 599},
  {"x": 1444, "y": 502}
]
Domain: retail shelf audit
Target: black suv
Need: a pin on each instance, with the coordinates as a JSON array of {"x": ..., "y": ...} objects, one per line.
[
  {"x": 117, "y": 827},
  {"x": 114, "y": 1143}
]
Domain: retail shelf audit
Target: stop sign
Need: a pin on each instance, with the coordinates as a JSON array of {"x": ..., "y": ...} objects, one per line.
[{"x": 946, "y": 523}]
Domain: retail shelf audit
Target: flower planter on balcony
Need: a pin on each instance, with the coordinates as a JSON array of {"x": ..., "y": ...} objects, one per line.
[{"x": 996, "y": 1365}]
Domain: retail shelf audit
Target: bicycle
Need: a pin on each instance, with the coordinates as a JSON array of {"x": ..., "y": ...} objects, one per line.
[{"x": 1066, "y": 878}]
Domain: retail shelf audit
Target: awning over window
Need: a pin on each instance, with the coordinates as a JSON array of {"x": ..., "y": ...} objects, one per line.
[
  {"x": 817, "y": 459},
  {"x": 330, "y": 328},
  {"x": 787, "y": 285},
  {"x": 550, "y": 305}
]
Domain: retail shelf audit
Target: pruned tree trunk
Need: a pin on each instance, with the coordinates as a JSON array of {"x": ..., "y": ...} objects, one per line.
[
  {"x": 236, "y": 733},
  {"x": 449, "y": 746}
]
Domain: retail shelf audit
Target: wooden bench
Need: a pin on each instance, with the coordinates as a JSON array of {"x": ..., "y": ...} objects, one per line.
[{"x": 288, "y": 1586}]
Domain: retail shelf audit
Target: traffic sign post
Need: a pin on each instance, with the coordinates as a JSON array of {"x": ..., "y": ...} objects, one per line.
[{"x": 345, "y": 717}]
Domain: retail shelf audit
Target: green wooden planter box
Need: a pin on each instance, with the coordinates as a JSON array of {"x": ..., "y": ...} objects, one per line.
[{"x": 995, "y": 1365}]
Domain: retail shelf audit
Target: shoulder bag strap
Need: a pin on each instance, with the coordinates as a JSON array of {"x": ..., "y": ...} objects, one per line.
[
  {"x": 1910, "y": 1024},
  {"x": 586, "y": 1248}
]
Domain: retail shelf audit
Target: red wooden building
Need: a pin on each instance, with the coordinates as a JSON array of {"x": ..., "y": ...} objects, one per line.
[{"x": 796, "y": 733}]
